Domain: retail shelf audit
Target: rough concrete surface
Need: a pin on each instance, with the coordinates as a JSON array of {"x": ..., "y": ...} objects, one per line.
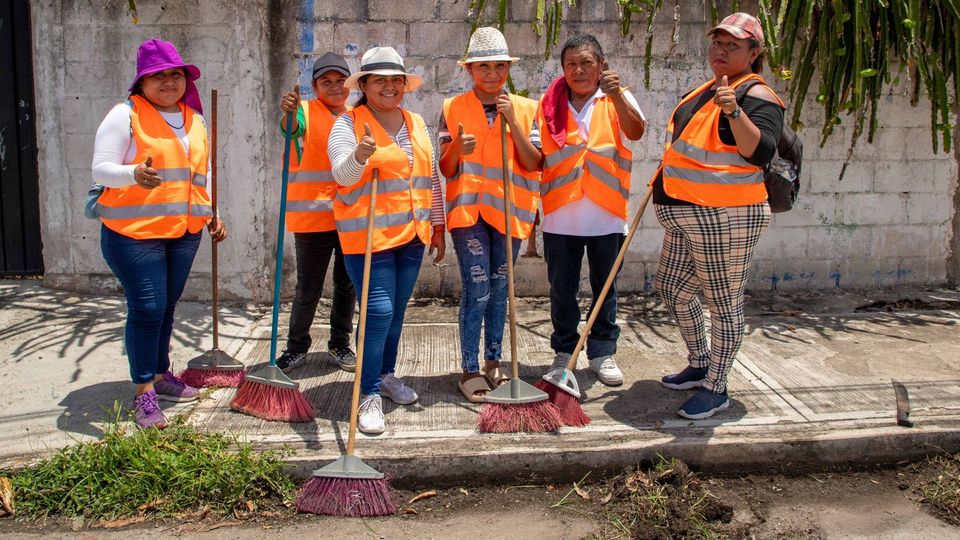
[{"x": 811, "y": 388}]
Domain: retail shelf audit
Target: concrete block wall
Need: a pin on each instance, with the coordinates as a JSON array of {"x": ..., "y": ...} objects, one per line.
[{"x": 890, "y": 221}]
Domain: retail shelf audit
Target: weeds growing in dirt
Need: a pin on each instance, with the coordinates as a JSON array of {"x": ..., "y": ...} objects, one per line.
[
  {"x": 942, "y": 492},
  {"x": 135, "y": 472}
]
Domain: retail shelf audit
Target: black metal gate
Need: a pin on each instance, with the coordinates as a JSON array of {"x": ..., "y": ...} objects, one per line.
[{"x": 20, "y": 249}]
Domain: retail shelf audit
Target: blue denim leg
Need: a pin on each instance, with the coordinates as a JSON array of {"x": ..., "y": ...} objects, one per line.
[
  {"x": 496, "y": 313},
  {"x": 602, "y": 252},
  {"x": 393, "y": 274},
  {"x": 472, "y": 245},
  {"x": 143, "y": 268}
]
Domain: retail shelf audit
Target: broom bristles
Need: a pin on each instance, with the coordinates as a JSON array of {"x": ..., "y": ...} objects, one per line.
[
  {"x": 346, "y": 497},
  {"x": 571, "y": 413},
  {"x": 206, "y": 378},
  {"x": 272, "y": 403},
  {"x": 536, "y": 417}
]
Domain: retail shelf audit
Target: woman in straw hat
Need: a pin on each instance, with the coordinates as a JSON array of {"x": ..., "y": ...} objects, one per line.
[
  {"x": 471, "y": 160},
  {"x": 711, "y": 201},
  {"x": 379, "y": 135},
  {"x": 151, "y": 154}
]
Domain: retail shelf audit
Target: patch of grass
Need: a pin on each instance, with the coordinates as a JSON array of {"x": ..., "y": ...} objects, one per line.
[
  {"x": 665, "y": 502},
  {"x": 941, "y": 493},
  {"x": 133, "y": 472}
]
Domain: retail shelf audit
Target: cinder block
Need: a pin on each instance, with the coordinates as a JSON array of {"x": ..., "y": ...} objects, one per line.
[
  {"x": 783, "y": 243},
  {"x": 929, "y": 208},
  {"x": 824, "y": 177},
  {"x": 873, "y": 208},
  {"x": 458, "y": 10},
  {"x": 903, "y": 176},
  {"x": 439, "y": 39},
  {"x": 945, "y": 176},
  {"x": 919, "y": 144},
  {"x": 356, "y": 38},
  {"x": 408, "y": 10},
  {"x": 96, "y": 79},
  {"x": 341, "y": 11},
  {"x": 910, "y": 240},
  {"x": 522, "y": 40},
  {"x": 451, "y": 78},
  {"x": 837, "y": 241}
]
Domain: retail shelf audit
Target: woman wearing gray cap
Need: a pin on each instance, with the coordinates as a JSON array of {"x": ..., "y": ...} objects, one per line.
[{"x": 310, "y": 216}]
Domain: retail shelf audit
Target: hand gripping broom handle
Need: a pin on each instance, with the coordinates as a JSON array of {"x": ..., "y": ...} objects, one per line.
[
  {"x": 609, "y": 283},
  {"x": 508, "y": 218},
  {"x": 213, "y": 204},
  {"x": 362, "y": 330},
  {"x": 278, "y": 277}
]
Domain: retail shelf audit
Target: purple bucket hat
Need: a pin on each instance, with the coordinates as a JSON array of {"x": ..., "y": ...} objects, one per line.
[{"x": 155, "y": 55}]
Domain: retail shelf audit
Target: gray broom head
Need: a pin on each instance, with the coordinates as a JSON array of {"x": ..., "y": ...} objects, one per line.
[
  {"x": 563, "y": 379},
  {"x": 272, "y": 376},
  {"x": 215, "y": 359},
  {"x": 515, "y": 391},
  {"x": 349, "y": 467}
]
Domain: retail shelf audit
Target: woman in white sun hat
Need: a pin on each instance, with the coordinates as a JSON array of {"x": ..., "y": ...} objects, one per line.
[
  {"x": 378, "y": 134},
  {"x": 471, "y": 160}
]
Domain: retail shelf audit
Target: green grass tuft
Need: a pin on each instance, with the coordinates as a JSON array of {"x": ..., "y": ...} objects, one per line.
[
  {"x": 942, "y": 492},
  {"x": 132, "y": 472}
]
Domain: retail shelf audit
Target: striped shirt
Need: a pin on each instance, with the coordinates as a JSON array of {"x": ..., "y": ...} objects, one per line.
[{"x": 346, "y": 170}]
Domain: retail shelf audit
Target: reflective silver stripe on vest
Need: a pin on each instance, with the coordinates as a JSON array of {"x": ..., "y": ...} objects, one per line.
[
  {"x": 310, "y": 206},
  {"x": 495, "y": 173},
  {"x": 385, "y": 185},
  {"x": 608, "y": 179},
  {"x": 422, "y": 182},
  {"x": 143, "y": 210},
  {"x": 707, "y": 177},
  {"x": 562, "y": 154},
  {"x": 560, "y": 181},
  {"x": 388, "y": 220},
  {"x": 523, "y": 215},
  {"x": 701, "y": 155},
  {"x": 202, "y": 210},
  {"x": 312, "y": 176},
  {"x": 174, "y": 175},
  {"x": 612, "y": 153},
  {"x": 199, "y": 180}
]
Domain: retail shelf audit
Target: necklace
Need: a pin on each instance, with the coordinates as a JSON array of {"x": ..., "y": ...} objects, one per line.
[{"x": 173, "y": 126}]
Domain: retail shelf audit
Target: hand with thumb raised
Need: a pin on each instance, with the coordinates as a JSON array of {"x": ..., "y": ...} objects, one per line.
[
  {"x": 366, "y": 147},
  {"x": 291, "y": 100},
  {"x": 145, "y": 175},
  {"x": 726, "y": 97},
  {"x": 466, "y": 141}
]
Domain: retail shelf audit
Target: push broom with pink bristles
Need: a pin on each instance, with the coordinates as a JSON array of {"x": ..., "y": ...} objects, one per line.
[
  {"x": 214, "y": 368},
  {"x": 561, "y": 384},
  {"x": 268, "y": 393},
  {"x": 515, "y": 406}
]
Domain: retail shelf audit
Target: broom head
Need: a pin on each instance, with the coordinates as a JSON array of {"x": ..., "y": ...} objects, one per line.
[
  {"x": 346, "y": 487},
  {"x": 517, "y": 407},
  {"x": 213, "y": 368},
  {"x": 570, "y": 410},
  {"x": 271, "y": 395}
]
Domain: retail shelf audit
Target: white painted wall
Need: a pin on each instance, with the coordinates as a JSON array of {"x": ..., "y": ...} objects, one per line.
[{"x": 889, "y": 222}]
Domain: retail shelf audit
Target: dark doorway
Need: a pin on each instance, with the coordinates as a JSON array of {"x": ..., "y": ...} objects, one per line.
[{"x": 20, "y": 249}]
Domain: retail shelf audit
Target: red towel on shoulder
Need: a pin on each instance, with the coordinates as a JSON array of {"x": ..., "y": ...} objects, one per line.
[{"x": 556, "y": 104}]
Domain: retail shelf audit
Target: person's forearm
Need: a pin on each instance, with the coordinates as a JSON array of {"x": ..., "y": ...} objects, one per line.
[
  {"x": 745, "y": 133},
  {"x": 631, "y": 122},
  {"x": 449, "y": 159},
  {"x": 527, "y": 154}
]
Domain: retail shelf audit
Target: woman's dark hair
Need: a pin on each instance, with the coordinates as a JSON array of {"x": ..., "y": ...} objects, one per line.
[
  {"x": 582, "y": 40},
  {"x": 363, "y": 97},
  {"x": 757, "y": 65}
]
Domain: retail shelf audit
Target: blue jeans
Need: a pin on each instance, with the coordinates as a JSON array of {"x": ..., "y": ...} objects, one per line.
[
  {"x": 153, "y": 274},
  {"x": 482, "y": 256},
  {"x": 393, "y": 273},
  {"x": 564, "y": 255}
]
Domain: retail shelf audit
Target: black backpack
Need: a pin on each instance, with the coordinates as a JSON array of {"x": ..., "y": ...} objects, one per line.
[{"x": 782, "y": 175}]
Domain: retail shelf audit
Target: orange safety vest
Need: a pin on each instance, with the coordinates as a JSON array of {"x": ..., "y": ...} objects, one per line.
[
  {"x": 699, "y": 168},
  {"x": 598, "y": 167},
  {"x": 403, "y": 193},
  {"x": 180, "y": 203},
  {"x": 311, "y": 186},
  {"x": 477, "y": 188}
]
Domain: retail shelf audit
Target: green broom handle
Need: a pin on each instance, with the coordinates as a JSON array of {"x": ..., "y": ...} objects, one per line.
[
  {"x": 213, "y": 204},
  {"x": 507, "y": 218},
  {"x": 362, "y": 331},
  {"x": 278, "y": 273},
  {"x": 613, "y": 275}
]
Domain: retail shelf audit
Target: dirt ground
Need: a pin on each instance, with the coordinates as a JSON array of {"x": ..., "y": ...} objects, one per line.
[{"x": 863, "y": 504}]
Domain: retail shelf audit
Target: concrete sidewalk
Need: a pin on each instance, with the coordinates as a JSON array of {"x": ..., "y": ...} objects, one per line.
[{"x": 812, "y": 387}]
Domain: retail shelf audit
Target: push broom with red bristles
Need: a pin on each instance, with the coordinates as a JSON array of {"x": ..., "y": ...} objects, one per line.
[
  {"x": 348, "y": 486},
  {"x": 268, "y": 393},
  {"x": 561, "y": 384},
  {"x": 214, "y": 368},
  {"x": 515, "y": 407}
]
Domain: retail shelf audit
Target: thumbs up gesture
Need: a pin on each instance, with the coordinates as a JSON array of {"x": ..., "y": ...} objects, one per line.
[
  {"x": 726, "y": 97},
  {"x": 291, "y": 100},
  {"x": 466, "y": 141},
  {"x": 609, "y": 79},
  {"x": 145, "y": 175},
  {"x": 366, "y": 147}
]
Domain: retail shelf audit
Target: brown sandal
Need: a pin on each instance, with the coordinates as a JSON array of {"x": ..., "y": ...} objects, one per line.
[
  {"x": 474, "y": 388},
  {"x": 495, "y": 377}
]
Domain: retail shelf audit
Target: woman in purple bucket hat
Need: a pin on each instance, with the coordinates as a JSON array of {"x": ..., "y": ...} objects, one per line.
[{"x": 151, "y": 154}]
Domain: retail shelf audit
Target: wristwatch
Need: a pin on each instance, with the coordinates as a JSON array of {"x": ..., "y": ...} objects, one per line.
[{"x": 735, "y": 114}]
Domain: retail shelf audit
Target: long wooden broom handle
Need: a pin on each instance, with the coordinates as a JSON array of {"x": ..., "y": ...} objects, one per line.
[
  {"x": 609, "y": 283},
  {"x": 362, "y": 330},
  {"x": 213, "y": 205},
  {"x": 507, "y": 218}
]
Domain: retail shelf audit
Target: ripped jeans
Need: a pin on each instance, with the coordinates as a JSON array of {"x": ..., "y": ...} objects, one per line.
[{"x": 482, "y": 256}]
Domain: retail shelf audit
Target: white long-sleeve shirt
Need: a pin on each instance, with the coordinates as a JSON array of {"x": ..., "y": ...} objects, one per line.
[
  {"x": 347, "y": 172},
  {"x": 114, "y": 148}
]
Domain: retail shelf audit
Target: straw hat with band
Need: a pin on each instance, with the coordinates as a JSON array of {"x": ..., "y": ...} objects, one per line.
[
  {"x": 487, "y": 44},
  {"x": 383, "y": 61},
  {"x": 154, "y": 56}
]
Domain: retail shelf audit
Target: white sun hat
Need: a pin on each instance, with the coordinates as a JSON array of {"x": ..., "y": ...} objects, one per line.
[
  {"x": 383, "y": 61},
  {"x": 487, "y": 44}
]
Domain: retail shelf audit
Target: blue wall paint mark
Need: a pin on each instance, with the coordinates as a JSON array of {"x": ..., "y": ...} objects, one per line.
[
  {"x": 836, "y": 279},
  {"x": 648, "y": 281},
  {"x": 787, "y": 276},
  {"x": 305, "y": 63},
  {"x": 774, "y": 279}
]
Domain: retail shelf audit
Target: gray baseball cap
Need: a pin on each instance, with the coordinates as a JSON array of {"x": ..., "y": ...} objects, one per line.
[{"x": 330, "y": 61}]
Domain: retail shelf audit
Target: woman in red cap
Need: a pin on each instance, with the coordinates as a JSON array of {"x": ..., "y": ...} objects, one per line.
[
  {"x": 151, "y": 155},
  {"x": 710, "y": 198}
]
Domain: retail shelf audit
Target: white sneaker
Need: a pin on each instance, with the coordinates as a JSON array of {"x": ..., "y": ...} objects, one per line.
[
  {"x": 394, "y": 390},
  {"x": 560, "y": 361},
  {"x": 607, "y": 370},
  {"x": 370, "y": 415}
]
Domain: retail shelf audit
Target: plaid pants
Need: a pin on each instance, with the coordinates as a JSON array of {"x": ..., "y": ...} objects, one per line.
[{"x": 708, "y": 249}]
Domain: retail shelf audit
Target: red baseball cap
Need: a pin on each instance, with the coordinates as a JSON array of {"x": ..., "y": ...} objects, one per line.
[{"x": 741, "y": 26}]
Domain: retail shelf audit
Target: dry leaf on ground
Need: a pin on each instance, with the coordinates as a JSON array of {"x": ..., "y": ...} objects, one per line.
[
  {"x": 118, "y": 523},
  {"x": 422, "y": 496},
  {"x": 6, "y": 494}
]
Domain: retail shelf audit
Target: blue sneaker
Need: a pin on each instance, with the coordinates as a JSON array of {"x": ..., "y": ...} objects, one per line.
[
  {"x": 704, "y": 404},
  {"x": 690, "y": 377}
]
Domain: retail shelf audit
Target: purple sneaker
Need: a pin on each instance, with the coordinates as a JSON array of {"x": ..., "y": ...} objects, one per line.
[
  {"x": 147, "y": 412},
  {"x": 171, "y": 388}
]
